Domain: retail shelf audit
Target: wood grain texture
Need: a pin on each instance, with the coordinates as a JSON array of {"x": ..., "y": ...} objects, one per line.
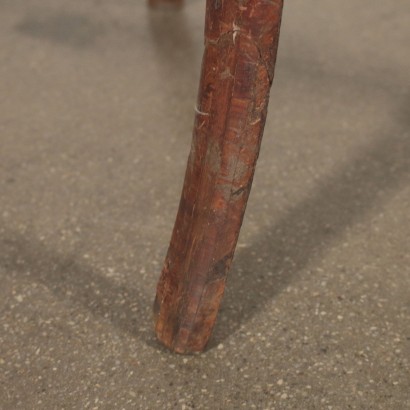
[{"x": 241, "y": 40}]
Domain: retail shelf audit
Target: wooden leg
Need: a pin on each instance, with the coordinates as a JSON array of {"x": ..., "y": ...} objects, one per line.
[{"x": 241, "y": 39}]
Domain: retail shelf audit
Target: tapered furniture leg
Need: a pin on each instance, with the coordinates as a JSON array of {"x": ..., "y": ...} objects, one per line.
[{"x": 241, "y": 40}]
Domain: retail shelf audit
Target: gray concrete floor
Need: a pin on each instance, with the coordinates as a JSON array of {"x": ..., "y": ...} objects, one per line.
[{"x": 96, "y": 111}]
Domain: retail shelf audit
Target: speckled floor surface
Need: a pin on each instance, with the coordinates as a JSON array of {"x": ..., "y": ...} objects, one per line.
[{"x": 96, "y": 112}]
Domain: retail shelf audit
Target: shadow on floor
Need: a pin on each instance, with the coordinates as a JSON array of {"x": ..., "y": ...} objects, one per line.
[
  {"x": 65, "y": 275},
  {"x": 311, "y": 227},
  {"x": 75, "y": 30},
  {"x": 124, "y": 306}
]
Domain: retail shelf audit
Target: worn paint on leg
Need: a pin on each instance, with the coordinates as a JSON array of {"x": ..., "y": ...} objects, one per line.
[{"x": 241, "y": 39}]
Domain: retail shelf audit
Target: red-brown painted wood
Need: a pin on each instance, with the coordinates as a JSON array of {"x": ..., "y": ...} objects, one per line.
[{"x": 241, "y": 40}]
